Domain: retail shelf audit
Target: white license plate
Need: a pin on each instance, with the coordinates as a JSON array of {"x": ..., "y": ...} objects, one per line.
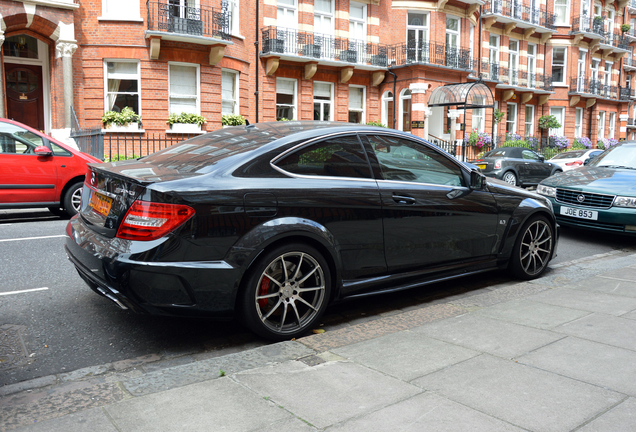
[{"x": 579, "y": 213}]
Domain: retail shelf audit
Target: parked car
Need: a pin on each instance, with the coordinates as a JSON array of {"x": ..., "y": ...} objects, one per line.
[
  {"x": 600, "y": 195},
  {"x": 39, "y": 171},
  {"x": 517, "y": 166},
  {"x": 273, "y": 221},
  {"x": 574, "y": 158}
]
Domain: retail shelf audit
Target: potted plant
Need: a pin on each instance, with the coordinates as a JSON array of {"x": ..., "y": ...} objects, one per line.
[
  {"x": 498, "y": 116},
  {"x": 232, "y": 120},
  {"x": 548, "y": 122},
  {"x": 124, "y": 120},
  {"x": 625, "y": 28},
  {"x": 185, "y": 122}
]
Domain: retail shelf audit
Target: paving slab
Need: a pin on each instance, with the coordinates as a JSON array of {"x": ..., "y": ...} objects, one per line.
[
  {"x": 532, "y": 314},
  {"x": 588, "y": 361},
  {"x": 484, "y": 334},
  {"x": 406, "y": 355},
  {"x": 621, "y": 418},
  {"x": 610, "y": 285},
  {"x": 214, "y": 405},
  {"x": 630, "y": 315},
  {"x": 607, "y": 329},
  {"x": 328, "y": 393},
  {"x": 522, "y": 395},
  {"x": 93, "y": 419},
  {"x": 587, "y": 301},
  {"x": 425, "y": 412}
]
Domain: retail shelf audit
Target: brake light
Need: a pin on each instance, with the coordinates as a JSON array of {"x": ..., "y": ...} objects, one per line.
[
  {"x": 575, "y": 163},
  {"x": 149, "y": 221},
  {"x": 498, "y": 164}
]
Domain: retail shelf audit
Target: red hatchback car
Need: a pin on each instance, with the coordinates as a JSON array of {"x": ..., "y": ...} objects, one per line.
[{"x": 39, "y": 171}]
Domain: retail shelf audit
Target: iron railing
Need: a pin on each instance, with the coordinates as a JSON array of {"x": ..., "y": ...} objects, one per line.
[
  {"x": 587, "y": 24},
  {"x": 88, "y": 140},
  {"x": 631, "y": 122},
  {"x": 320, "y": 46},
  {"x": 515, "y": 77},
  {"x": 582, "y": 85},
  {"x": 200, "y": 21},
  {"x": 517, "y": 10},
  {"x": 430, "y": 53},
  {"x": 629, "y": 62},
  {"x": 133, "y": 145}
]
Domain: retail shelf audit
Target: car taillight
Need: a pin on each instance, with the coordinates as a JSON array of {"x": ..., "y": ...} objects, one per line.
[
  {"x": 149, "y": 221},
  {"x": 497, "y": 164},
  {"x": 575, "y": 163}
]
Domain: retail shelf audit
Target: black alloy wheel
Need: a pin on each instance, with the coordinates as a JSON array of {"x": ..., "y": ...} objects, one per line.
[
  {"x": 286, "y": 292},
  {"x": 533, "y": 249}
]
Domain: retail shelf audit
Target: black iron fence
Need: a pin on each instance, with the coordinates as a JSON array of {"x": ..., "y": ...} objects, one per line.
[
  {"x": 598, "y": 25},
  {"x": 319, "y": 46},
  {"x": 430, "y": 53},
  {"x": 88, "y": 140},
  {"x": 199, "y": 21},
  {"x": 516, "y": 9},
  {"x": 597, "y": 88},
  {"x": 133, "y": 145},
  {"x": 515, "y": 77}
]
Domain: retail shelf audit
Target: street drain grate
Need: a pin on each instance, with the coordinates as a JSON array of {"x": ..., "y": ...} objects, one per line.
[{"x": 13, "y": 352}]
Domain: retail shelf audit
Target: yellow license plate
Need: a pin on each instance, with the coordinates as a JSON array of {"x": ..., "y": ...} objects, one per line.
[
  {"x": 100, "y": 203},
  {"x": 481, "y": 166}
]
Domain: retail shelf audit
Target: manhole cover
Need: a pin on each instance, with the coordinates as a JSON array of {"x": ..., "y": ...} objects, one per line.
[{"x": 12, "y": 349}]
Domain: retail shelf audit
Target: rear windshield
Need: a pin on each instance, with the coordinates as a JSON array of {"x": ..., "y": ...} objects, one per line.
[{"x": 570, "y": 154}]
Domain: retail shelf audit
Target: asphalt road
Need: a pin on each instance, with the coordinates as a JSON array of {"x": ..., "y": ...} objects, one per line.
[{"x": 51, "y": 322}]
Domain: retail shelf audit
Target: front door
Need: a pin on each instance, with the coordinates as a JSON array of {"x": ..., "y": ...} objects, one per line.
[{"x": 25, "y": 98}]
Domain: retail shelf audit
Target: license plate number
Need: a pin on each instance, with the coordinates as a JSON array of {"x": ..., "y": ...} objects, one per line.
[
  {"x": 579, "y": 213},
  {"x": 101, "y": 203},
  {"x": 481, "y": 166}
]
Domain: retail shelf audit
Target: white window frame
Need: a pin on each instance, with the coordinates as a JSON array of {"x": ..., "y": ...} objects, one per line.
[
  {"x": 236, "y": 108},
  {"x": 364, "y": 102},
  {"x": 404, "y": 97},
  {"x": 198, "y": 83},
  {"x": 580, "y": 73},
  {"x": 612, "y": 125},
  {"x": 516, "y": 118},
  {"x": 532, "y": 65},
  {"x": 320, "y": 15},
  {"x": 421, "y": 50},
  {"x": 561, "y": 118},
  {"x": 578, "y": 123},
  {"x": 385, "y": 108},
  {"x": 322, "y": 101},
  {"x": 122, "y": 10},
  {"x": 478, "y": 121},
  {"x": 493, "y": 55},
  {"x": 601, "y": 124},
  {"x": 362, "y": 21},
  {"x": 294, "y": 105},
  {"x": 106, "y": 77},
  {"x": 513, "y": 57},
  {"x": 234, "y": 8},
  {"x": 458, "y": 35},
  {"x": 607, "y": 78},
  {"x": 287, "y": 8},
  {"x": 529, "y": 123},
  {"x": 564, "y": 65},
  {"x": 565, "y": 19}
]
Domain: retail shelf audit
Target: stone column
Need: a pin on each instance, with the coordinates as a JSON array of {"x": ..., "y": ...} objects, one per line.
[
  {"x": 2, "y": 112},
  {"x": 66, "y": 49},
  {"x": 454, "y": 114},
  {"x": 428, "y": 112},
  {"x": 418, "y": 108}
]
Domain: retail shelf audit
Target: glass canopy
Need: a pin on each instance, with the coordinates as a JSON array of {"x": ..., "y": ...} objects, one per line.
[{"x": 463, "y": 95}]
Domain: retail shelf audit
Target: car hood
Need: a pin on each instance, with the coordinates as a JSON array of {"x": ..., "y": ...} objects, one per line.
[
  {"x": 498, "y": 186},
  {"x": 596, "y": 179}
]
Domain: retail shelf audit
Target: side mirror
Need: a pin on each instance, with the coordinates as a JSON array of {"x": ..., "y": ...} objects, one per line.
[
  {"x": 43, "y": 151},
  {"x": 477, "y": 180},
  {"x": 542, "y": 158}
]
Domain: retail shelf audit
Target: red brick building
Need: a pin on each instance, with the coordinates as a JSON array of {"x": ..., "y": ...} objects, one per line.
[{"x": 344, "y": 60}]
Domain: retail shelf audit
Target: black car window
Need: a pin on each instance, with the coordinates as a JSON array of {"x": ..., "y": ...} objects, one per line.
[
  {"x": 527, "y": 154},
  {"x": 59, "y": 151},
  {"x": 335, "y": 157},
  {"x": 406, "y": 160},
  {"x": 17, "y": 140}
]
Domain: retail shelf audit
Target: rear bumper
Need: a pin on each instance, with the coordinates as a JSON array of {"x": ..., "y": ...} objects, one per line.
[{"x": 203, "y": 289}]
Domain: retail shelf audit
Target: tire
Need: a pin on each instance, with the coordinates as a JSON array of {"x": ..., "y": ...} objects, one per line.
[
  {"x": 73, "y": 198},
  {"x": 533, "y": 249},
  {"x": 510, "y": 178},
  {"x": 274, "y": 304}
]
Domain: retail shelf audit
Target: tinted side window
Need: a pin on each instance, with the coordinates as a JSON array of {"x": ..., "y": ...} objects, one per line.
[
  {"x": 59, "y": 151},
  {"x": 527, "y": 154},
  {"x": 335, "y": 157},
  {"x": 405, "y": 160},
  {"x": 16, "y": 140}
]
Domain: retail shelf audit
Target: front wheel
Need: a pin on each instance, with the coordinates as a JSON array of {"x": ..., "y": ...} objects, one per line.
[
  {"x": 533, "y": 249},
  {"x": 510, "y": 178},
  {"x": 286, "y": 292},
  {"x": 73, "y": 199}
]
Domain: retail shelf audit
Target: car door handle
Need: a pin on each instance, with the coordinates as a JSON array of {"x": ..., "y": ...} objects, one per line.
[{"x": 402, "y": 199}]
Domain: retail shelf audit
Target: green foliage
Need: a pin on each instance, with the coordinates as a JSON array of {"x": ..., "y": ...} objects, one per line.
[
  {"x": 221, "y": 373},
  {"x": 498, "y": 116},
  {"x": 377, "y": 123},
  {"x": 187, "y": 118},
  {"x": 118, "y": 157},
  {"x": 515, "y": 143},
  {"x": 625, "y": 28},
  {"x": 125, "y": 116},
  {"x": 283, "y": 119},
  {"x": 549, "y": 122},
  {"x": 232, "y": 120}
]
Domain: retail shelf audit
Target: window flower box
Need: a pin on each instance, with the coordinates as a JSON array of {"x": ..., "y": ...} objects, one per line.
[{"x": 185, "y": 128}]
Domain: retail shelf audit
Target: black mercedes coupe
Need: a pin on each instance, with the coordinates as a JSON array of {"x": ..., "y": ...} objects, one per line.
[{"x": 272, "y": 222}]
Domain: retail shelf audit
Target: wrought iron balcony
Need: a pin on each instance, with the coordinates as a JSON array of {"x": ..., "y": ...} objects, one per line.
[
  {"x": 189, "y": 21},
  {"x": 629, "y": 64},
  {"x": 281, "y": 41},
  {"x": 516, "y": 78},
  {"x": 594, "y": 28},
  {"x": 430, "y": 53},
  {"x": 631, "y": 6},
  {"x": 586, "y": 86},
  {"x": 617, "y": 40},
  {"x": 517, "y": 10},
  {"x": 631, "y": 123}
]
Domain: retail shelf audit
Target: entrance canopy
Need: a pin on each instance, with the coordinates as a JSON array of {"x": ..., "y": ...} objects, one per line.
[{"x": 462, "y": 95}]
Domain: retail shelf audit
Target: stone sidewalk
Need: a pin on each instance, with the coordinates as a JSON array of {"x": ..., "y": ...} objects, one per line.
[{"x": 555, "y": 354}]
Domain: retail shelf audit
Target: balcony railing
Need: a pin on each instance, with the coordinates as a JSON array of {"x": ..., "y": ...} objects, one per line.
[
  {"x": 202, "y": 21},
  {"x": 586, "y": 24},
  {"x": 517, "y": 10},
  {"x": 278, "y": 40},
  {"x": 597, "y": 88},
  {"x": 430, "y": 53},
  {"x": 629, "y": 62},
  {"x": 631, "y": 122},
  {"x": 516, "y": 78}
]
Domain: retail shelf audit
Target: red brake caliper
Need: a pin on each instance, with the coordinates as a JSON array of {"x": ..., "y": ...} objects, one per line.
[{"x": 263, "y": 291}]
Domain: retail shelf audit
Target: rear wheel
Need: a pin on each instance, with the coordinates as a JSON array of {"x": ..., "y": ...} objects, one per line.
[
  {"x": 73, "y": 199},
  {"x": 286, "y": 292},
  {"x": 510, "y": 178},
  {"x": 533, "y": 249}
]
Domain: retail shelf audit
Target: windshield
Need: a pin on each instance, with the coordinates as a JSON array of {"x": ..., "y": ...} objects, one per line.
[
  {"x": 620, "y": 156},
  {"x": 570, "y": 154}
]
